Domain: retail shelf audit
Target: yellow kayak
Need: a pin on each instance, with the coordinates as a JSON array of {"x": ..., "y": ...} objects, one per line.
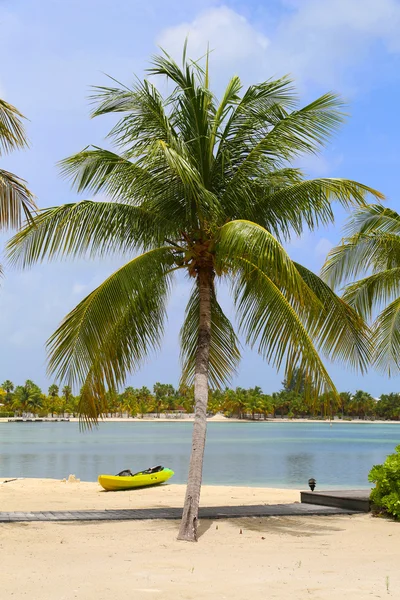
[{"x": 113, "y": 483}]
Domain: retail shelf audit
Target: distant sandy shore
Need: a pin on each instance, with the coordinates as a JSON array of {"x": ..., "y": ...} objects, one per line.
[
  {"x": 221, "y": 419},
  {"x": 321, "y": 558}
]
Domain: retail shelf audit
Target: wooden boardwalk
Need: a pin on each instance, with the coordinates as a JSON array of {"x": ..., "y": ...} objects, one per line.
[
  {"x": 353, "y": 499},
  {"x": 213, "y": 512}
]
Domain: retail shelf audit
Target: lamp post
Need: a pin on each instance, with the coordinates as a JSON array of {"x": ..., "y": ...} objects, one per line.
[{"x": 312, "y": 483}]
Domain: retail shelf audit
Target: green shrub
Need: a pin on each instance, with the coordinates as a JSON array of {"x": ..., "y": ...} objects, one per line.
[
  {"x": 3, "y": 415},
  {"x": 385, "y": 496}
]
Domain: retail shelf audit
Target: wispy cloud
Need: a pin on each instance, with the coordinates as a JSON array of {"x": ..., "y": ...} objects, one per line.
[{"x": 319, "y": 43}]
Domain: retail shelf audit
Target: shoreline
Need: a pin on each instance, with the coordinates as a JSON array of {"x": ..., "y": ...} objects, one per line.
[
  {"x": 216, "y": 419},
  {"x": 27, "y": 494}
]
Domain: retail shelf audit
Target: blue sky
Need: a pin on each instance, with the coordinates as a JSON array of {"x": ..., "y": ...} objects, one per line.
[{"x": 52, "y": 51}]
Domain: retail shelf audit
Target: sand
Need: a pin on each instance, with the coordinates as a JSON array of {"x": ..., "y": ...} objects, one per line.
[
  {"x": 323, "y": 558},
  {"x": 219, "y": 418},
  {"x": 52, "y": 494}
]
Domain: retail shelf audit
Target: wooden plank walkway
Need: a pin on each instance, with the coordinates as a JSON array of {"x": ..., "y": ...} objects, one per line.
[
  {"x": 353, "y": 499},
  {"x": 212, "y": 512}
]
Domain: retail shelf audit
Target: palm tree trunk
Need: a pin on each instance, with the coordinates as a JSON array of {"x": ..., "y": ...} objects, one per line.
[{"x": 188, "y": 527}]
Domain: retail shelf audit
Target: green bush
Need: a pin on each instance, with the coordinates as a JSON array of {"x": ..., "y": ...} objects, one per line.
[
  {"x": 385, "y": 496},
  {"x": 3, "y": 415}
]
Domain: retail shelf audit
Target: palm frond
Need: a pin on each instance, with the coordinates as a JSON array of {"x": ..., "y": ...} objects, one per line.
[
  {"x": 229, "y": 99},
  {"x": 97, "y": 170},
  {"x": 246, "y": 240},
  {"x": 16, "y": 201},
  {"x": 258, "y": 107},
  {"x": 309, "y": 202},
  {"x": 12, "y": 131},
  {"x": 359, "y": 254},
  {"x": 387, "y": 339},
  {"x": 192, "y": 106},
  {"x": 87, "y": 228},
  {"x": 224, "y": 348},
  {"x": 203, "y": 202},
  {"x": 373, "y": 291},
  {"x": 271, "y": 324},
  {"x": 372, "y": 219},
  {"x": 282, "y": 137},
  {"x": 113, "y": 329},
  {"x": 146, "y": 121},
  {"x": 333, "y": 324}
]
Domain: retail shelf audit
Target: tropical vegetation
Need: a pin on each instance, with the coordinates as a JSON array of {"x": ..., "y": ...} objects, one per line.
[
  {"x": 166, "y": 400},
  {"x": 16, "y": 201},
  {"x": 209, "y": 189},
  {"x": 369, "y": 258},
  {"x": 385, "y": 496}
]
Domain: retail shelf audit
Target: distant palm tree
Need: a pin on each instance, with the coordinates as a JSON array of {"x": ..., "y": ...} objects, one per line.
[
  {"x": 16, "y": 201},
  {"x": 8, "y": 386},
  {"x": 208, "y": 189},
  {"x": 28, "y": 397},
  {"x": 368, "y": 259},
  {"x": 53, "y": 390},
  {"x": 67, "y": 392}
]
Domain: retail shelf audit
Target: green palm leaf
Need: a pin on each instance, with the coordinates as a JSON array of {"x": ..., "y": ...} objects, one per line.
[
  {"x": 309, "y": 202},
  {"x": 129, "y": 305},
  {"x": 373, "y": 218},
  {"x": 16, "y": 201},
  {"x": 359, "y": 254},
  {"x": 372, "y": 250},
  {"x": 87, "y": 228},
  {"x": 12, "y": 131},
  {"x": 387, "y": 338},
  {"x": 374, "y": 291},
  {"x": 224, "y": 347},
  {"x": 338, "y": 330},
  {"x": 270, "y": 323}
]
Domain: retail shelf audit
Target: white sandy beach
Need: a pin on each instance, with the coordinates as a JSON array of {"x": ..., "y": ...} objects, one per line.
[
  {"x": 222, "y": 419},
  {"x": 324, "y": 558},
  {"x": 53, "y": 494}
]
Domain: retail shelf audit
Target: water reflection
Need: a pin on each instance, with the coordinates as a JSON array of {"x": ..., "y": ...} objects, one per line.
[
  {"x": 299, "y": 467},
  {"x": 261, "y": 454}
]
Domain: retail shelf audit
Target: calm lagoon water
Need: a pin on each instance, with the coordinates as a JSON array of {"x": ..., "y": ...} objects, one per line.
[{"x": 253, "y": 454}]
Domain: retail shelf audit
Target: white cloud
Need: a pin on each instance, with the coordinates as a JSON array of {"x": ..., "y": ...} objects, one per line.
[
  {"x": 318, "y": 165},
  {"x": 319, "y": 43},
  {"x": 234, "y": 42},
  {"x": 25, "y": 338},
  {"x": 323, "y": 247},
  {"x": 78, "y": 288},
  {"x": 222, "y": 27}
]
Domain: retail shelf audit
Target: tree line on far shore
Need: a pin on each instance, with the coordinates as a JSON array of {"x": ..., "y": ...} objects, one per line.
[{"x": 165, "y": 399}]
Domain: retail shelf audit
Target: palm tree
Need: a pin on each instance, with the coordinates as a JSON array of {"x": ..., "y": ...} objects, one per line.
[
  {"x": 27, "y": 396},
  {"x": 163, "y": 393},
  {"x": 362, "y": 403},
  {"x": 53, "y": 400},
  {"x": 266, "y": 405},
  {"x": 53, "y": 390},
  {"x": 369, "y": 257},
  {"x": 144, "y": 399},
  {"x": 208, "y": 189},
  {"x": 16, "y": 201},
  {"x": 252, "y": 404},
  {"x": 8, "y": 386},
  {"x": 66, "y": 392},
  {"x": 129, "y": 401}
]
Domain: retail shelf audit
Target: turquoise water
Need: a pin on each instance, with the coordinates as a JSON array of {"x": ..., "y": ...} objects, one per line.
[{"x": 254, "y": 454}]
